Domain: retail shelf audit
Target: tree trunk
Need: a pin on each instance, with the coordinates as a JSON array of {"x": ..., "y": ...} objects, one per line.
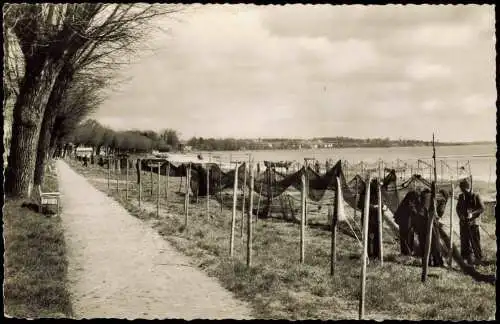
[
  {"x": 43, "y": 147},
  {"x": 29, "y": 108},
  {"x": 49, "y": 118}
]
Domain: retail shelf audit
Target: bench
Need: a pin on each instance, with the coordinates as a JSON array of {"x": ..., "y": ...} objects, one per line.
[{"x": 48, "y": 198}]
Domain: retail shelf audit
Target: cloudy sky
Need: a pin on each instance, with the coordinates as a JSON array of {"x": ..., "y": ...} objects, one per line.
[{"x": 304, "y": 71}]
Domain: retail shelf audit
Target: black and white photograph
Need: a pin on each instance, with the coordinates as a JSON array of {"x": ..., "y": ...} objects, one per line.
[{"x": 249, "y": 162}]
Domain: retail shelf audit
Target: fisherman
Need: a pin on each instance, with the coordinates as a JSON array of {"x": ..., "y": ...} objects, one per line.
[
  {"x": 422, "y": 226},
  {"x": 373, "y": 223},
  {"x": 405, "y": 217},
  {"x": 469, "y": 209}
]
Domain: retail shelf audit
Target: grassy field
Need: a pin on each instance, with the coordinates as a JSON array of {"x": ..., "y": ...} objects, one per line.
[
  {"x": 278, "y": 287},
  {"x": 35, "y": 260}
]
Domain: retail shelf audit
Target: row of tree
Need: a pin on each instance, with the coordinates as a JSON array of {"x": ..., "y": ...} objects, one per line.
[
  {"x": 225, "y": 144},
  {"x": 92, "y": 134},
  {"x": 57, "y": 59},
  {"x": 341, "y": 141}
]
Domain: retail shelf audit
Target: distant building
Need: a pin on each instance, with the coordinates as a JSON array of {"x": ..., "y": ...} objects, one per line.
[
  {"x": 84, "y": 151},
  {"x": 183, "y": 147}
]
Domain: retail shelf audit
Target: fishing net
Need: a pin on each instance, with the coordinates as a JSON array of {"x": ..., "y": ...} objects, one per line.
[{"x": 278, "y": 191}]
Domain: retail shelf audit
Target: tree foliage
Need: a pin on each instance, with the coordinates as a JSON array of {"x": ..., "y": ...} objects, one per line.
[
  {"x": 92, "y": 133},
  {"x": 47, "y": 46}
]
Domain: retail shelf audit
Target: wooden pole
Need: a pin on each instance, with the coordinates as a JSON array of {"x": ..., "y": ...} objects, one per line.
[
  {"x": 303, "y": 218},
  {"x": 152, "y": 180},
  {"x": 258, "y": 202},
  {"x": 333, "y": 227},
  {"x": 233, "y": 218},
  {"x": 380, "y": 225},
  {"x": 450, "y": 252},
  {"x": 220, "y": 186},
  {"x": 306, "y": 193},
  {"x": 249, "y": 217},
  {"x": 365, "y": 249},
  {"x": 167, "y": 175},
  {"x": 208, "y": 189},
  {"x": 470, "y": 175},
  {"x": 243, "y": 185},
  {"x": 356, "y": 199},
  {"x": 186, "y": 197},
  {"x": 140, "y": 182},
  {"x": 270, "y": 182},
  {"x": 432, "y": 214},
  {"x": 428, "y": 241},
  {"x": 117, "y": 173},
  {"x": 109, "y": 171},
  {"x": 158, "y": 193},
  {"x": 126, "y": 182}
]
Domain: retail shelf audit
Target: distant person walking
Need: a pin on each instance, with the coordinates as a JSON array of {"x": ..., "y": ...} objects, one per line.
[
  {"x": 469, "y": 209},
  {"x": 85, "y": 161}
]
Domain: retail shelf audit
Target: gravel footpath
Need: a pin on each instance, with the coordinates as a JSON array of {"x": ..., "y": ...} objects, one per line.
[{"x": 119, "y": 267}]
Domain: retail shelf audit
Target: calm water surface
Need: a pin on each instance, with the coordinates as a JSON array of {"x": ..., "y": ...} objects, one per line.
[{"x": 480, "y": 157}]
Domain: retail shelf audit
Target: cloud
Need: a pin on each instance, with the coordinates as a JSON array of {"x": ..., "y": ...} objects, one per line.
[
  {"x": 300, "y": 71},
  {"x": 424, "y": 71}
]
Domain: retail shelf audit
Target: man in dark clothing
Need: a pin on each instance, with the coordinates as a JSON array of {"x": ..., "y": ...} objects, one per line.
[
  {"x": 373, "y": 235},
  {"x": 436, "y": 258},
  {"x": 85, "y": 161},
  {"x": 317, "y": 167},
  {"x": 405, "y": 218},
  {"x": 469, "y": 209}
]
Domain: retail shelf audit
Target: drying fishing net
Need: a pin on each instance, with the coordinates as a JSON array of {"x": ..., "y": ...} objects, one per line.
[{"x": 279, "y": 191}]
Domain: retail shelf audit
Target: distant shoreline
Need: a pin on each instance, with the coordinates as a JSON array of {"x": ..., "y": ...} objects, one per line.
[{"x": 364, "y": 146}]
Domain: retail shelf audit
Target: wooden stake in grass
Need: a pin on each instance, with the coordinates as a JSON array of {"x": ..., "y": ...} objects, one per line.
[
  {"x": 186, "y": 197},
  {"x": 151, "y": 177},
  {"x": 158, "y": 193},
  {"x": 117, "y": 173},
  {"x": 220, "y": 186},
  {"x": 208, "y": 189},
  {"x": 432, "y": 214},
  {"x": 126, "y": 182},
  {"x": 356, "y": 199},
  {"x": 334, "y": 218},
  {"x": 233, "y": 218},
  {"x": 380, "y": 224},
  {"x": 428, "y": 238},
  {"x": 109, "y": 170},
  {"x": 243, "y": 185},
  {"x": 303, "y": 217},
  {"x": 258, "y": 202},
  {"x": 167, "y": 174},
  {"x": 139, "y": 161},
  {"x": 450, "y": 252},
  {"x": 250, "y": 216},
  {"x": 365, "y": 249}
]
